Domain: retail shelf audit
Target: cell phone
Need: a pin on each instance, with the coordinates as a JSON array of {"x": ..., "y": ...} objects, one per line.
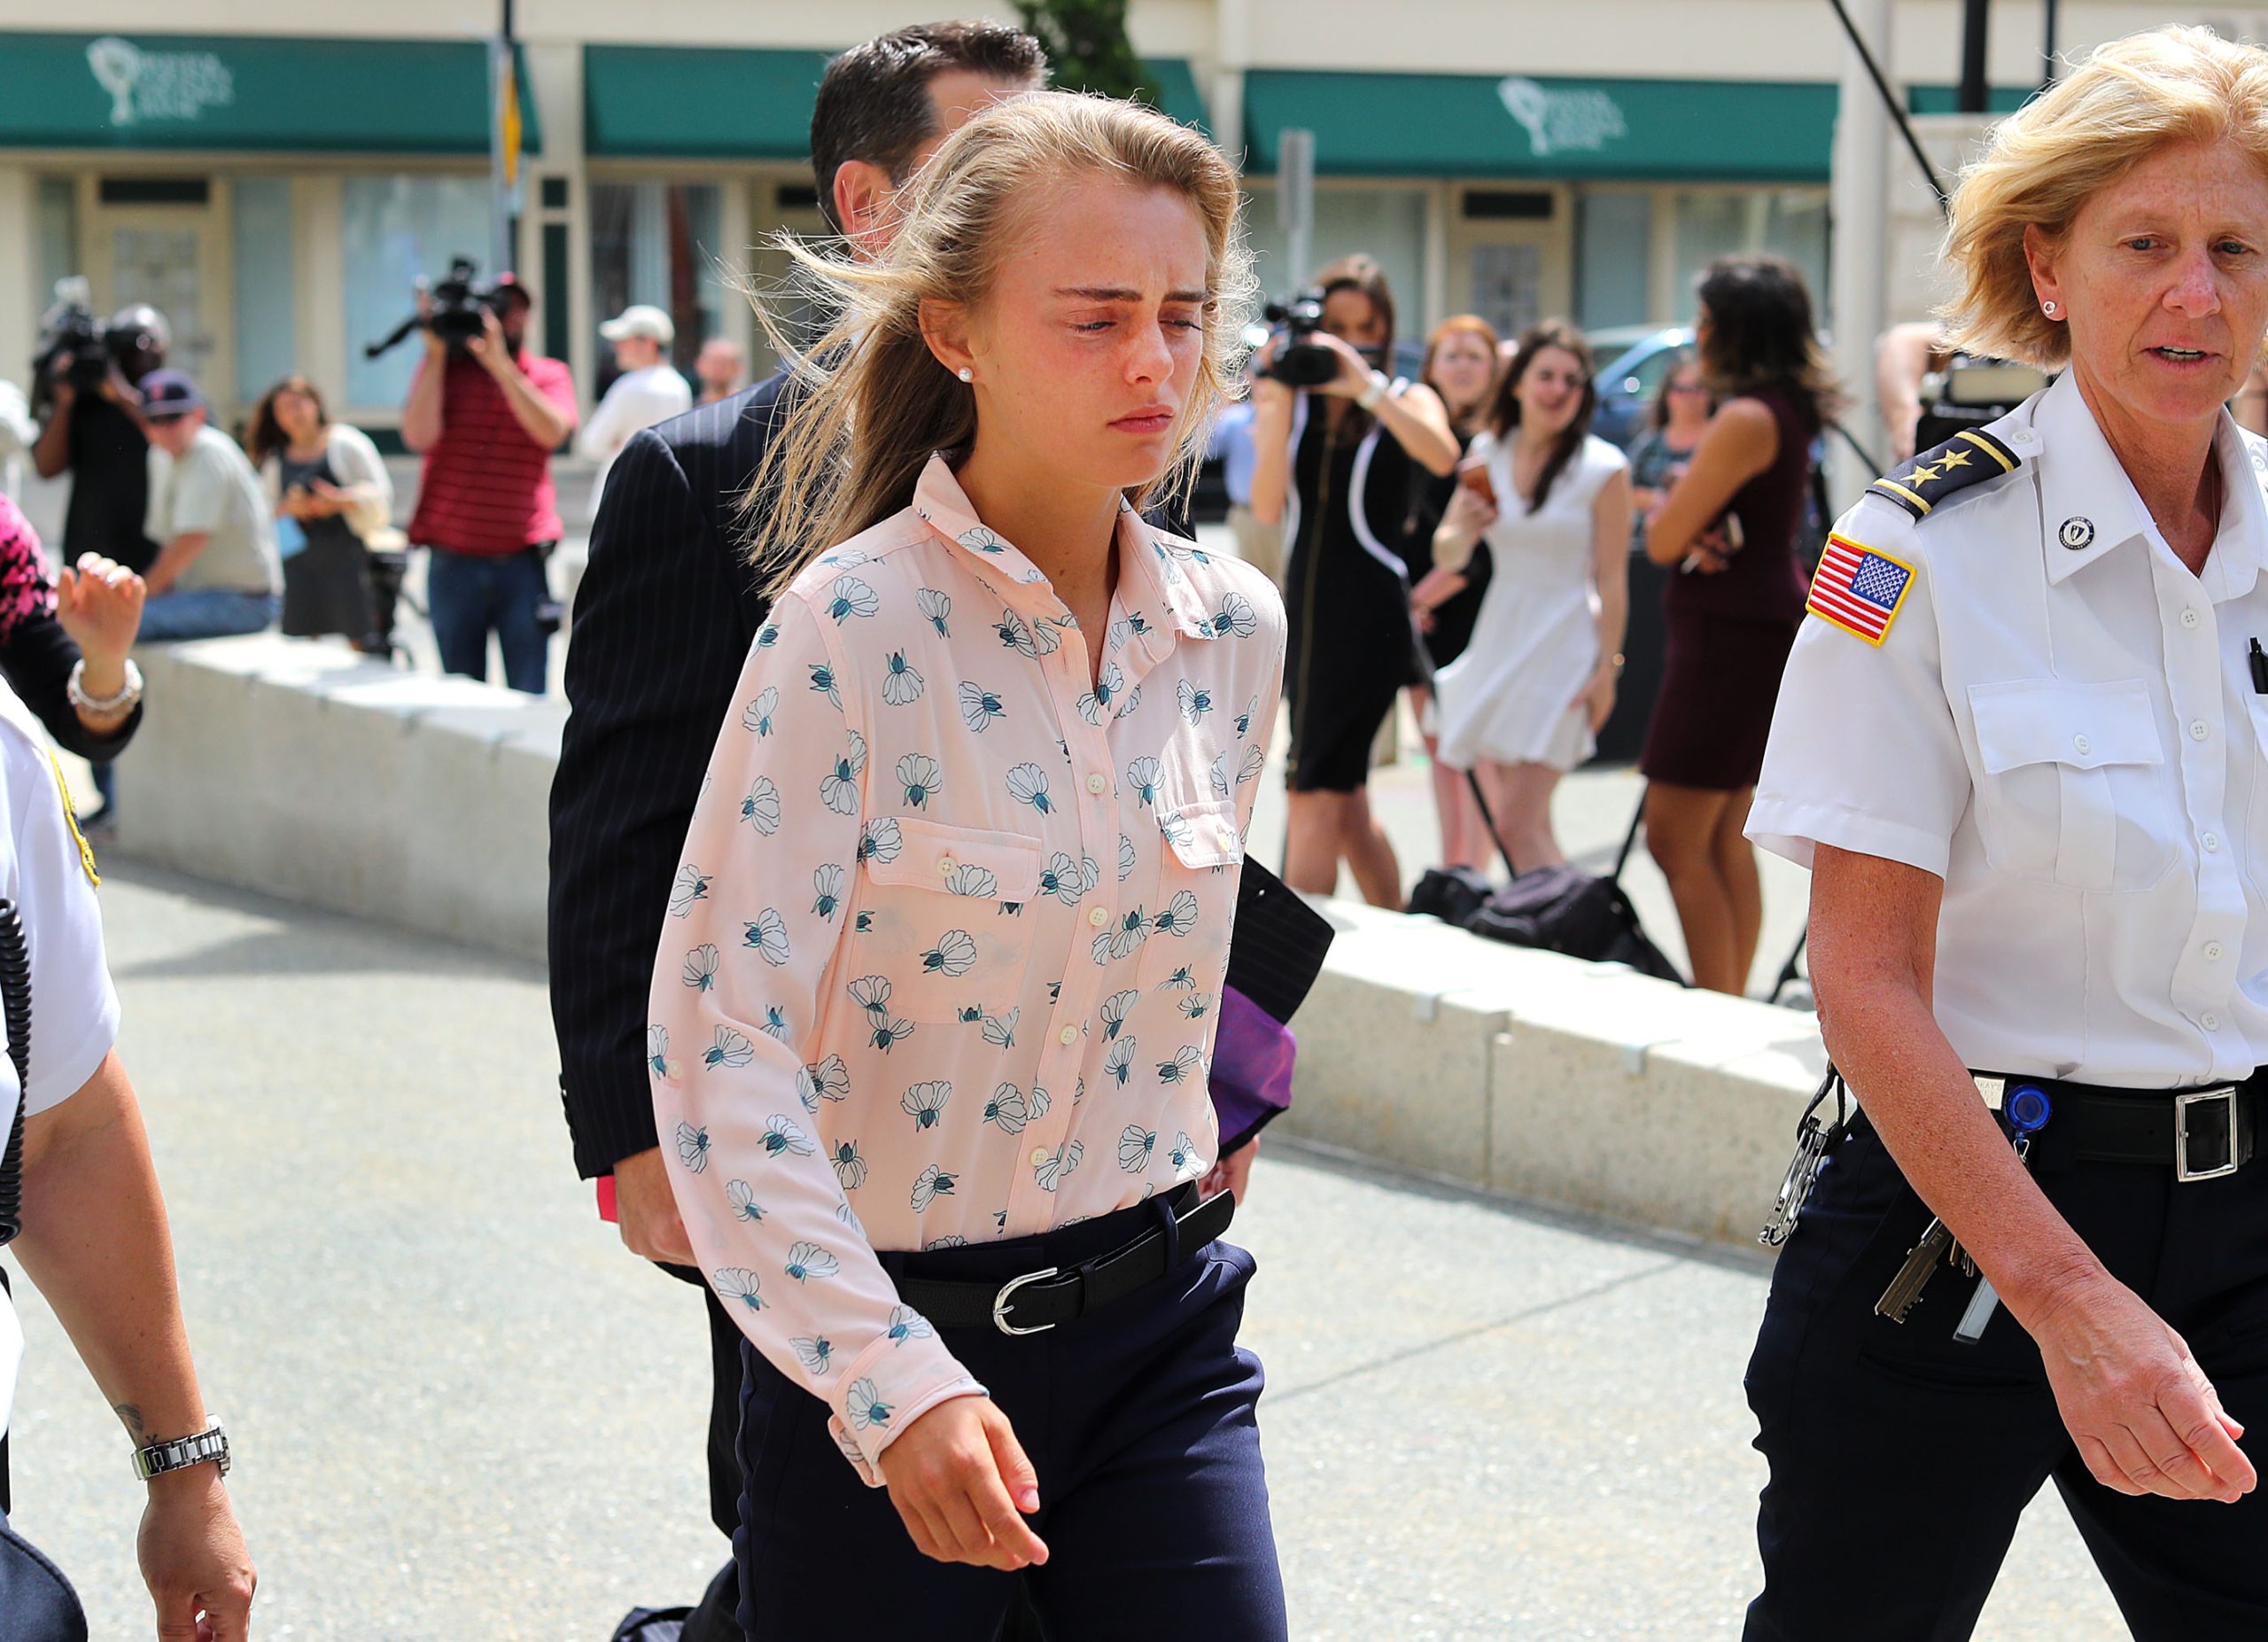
[{"x": 1474, "y": 477}]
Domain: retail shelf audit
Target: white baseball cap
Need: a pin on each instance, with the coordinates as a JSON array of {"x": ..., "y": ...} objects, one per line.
[{"x": 640, "y": 319}]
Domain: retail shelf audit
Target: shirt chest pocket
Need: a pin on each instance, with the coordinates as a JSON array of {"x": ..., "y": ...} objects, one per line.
[
  {"x": 1196, "y": 888},
  {"x": 2073, "y": 788},
  {"x": 945, "y": 922}
]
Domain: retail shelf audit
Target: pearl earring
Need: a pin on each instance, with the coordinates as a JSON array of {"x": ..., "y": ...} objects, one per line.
[
  {"x": 2048, "y": 308},
  {"x": 965, "y": 373}
]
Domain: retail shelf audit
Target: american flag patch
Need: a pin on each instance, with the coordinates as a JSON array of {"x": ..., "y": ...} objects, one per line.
[{"x": 1858, "y": 589}]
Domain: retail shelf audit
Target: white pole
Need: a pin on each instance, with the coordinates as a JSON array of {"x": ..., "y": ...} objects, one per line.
[
  {"x": 1860, "y": 209},
  {"x": 499, "y": 193}
]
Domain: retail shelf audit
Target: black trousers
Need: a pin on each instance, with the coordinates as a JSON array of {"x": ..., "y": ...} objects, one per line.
[
  {"x": 1902, "y": 1459},
  {"x": 1140, "y": 1421}
]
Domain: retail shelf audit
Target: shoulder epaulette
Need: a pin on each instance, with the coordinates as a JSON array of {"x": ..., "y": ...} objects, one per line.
[{"x": 1969, "y": 457}]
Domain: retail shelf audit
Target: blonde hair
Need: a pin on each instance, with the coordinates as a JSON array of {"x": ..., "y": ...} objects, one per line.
[
  {"x": 870, "y": 402},
  {"x": 2131, "y": 97}
]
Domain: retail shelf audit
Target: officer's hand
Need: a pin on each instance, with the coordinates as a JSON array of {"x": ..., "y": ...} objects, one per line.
[
  {"x": 194, "y": 1560},
  {"x": 1232, "y": 1174},
  {"x": 646, "y": 1210},
  {"x": 2145, "y": 1418},
  {"x": 958, "y": 1477}
]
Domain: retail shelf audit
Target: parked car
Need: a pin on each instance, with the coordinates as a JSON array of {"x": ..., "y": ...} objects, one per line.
[{"x": 1637, "y": 358}]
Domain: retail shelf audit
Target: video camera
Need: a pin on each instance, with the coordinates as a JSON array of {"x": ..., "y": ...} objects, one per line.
[
  {"x": 455, "y": 311},
  {"x": 1970, "y": 393},
  {"x": 1303, "y": 361},
  {"x": 78, "y": 348}
]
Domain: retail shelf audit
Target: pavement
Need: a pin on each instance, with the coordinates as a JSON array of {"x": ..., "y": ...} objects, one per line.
[{"x": 462, "y": 1411}]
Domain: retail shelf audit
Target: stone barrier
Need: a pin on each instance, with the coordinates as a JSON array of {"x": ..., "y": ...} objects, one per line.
[{"x": 305, "y": 772}]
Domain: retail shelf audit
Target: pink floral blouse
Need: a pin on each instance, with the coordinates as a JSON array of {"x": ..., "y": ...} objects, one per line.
[{"x": 945, "y": 946}]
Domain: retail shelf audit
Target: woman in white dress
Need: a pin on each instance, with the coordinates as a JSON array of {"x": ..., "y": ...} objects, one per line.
[{"x": 1522, "y": 704}]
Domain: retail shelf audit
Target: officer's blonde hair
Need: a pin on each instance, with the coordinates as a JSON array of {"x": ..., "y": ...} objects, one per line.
[
  {"x": 2129, "y": 99},
  {"x": 871, "y": 403}
]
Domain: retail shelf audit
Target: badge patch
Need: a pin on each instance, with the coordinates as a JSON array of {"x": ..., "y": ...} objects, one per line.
[
  {"x": 71, "y": 820},
  {"x": 2076, "y": 535},
  {"x": 1858, "y": 589}
]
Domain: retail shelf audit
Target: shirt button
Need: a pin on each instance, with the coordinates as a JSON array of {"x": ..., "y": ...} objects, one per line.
[
  {"x": 1038, "y": 1156},
  {"x": 1097, "y": 783},
  {"x": 2198, "y": 730},
  {"x": 2189, "y": 619},
  {"x": 1098, "y": 916},
  {"x": 1070, "y": 1035},
  {"x": 2211, "y": 841},
  {"x": 2213, "y": 952},
  {"x": 2210, "y": 1022},
  {"x": 2081, "y": 744},
  {"x": 945, "y": 866}
]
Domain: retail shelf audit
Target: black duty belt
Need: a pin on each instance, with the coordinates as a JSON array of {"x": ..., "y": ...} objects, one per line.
[
  {"x": 2203, "y": 1133},
  {"x": 1040, "y": 1300}
]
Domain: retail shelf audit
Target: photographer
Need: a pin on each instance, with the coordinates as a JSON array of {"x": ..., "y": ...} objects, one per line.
[
  {"x": 486, "y": 418},
  {"x": 88, "y": 384},
  {"x": 1335, "y": 462}
]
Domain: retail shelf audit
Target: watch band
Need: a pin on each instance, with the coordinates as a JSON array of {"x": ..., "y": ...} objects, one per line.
[{"x": 180, "y": 1452}]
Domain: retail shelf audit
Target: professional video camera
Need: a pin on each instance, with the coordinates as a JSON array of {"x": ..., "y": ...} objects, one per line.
[
  {"x": 1303, "y": 361},
  {"x": 454, "y": 313},
  {"x": 1970, "y": 393},
  {"x": 76, "y": 347}
]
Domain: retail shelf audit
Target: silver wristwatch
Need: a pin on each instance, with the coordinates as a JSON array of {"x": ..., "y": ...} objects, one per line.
[{"x": 178, "y": 1453}]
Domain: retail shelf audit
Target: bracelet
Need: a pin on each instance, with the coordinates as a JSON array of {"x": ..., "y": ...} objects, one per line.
[
  {"x": 129, "y": 693},
  {"x": 1369, "y": 396}
]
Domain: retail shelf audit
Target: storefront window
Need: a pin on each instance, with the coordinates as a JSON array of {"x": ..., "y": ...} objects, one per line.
[
  {"x": 398, "y": 229},
  {"x": 268, "y": 343},
  {"x": 1614, "y": 257},
  {"x": 1790, "y": 223},
  {"x": 656, "y": 243},
  {"x": 1385, "y": 224},
  {"x": 58, "y": 235}
]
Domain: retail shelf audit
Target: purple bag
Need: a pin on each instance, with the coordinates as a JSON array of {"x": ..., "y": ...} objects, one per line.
[{"x": 1253, "y": 1053}]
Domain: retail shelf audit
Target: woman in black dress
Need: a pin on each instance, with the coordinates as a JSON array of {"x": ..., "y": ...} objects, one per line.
[
  {"x": 331, "y": 489},
  {"x": 1334, "y": 466}
]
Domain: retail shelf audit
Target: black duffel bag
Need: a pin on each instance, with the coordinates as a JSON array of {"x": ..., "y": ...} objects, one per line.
[{"x": 1564, "y": 909}]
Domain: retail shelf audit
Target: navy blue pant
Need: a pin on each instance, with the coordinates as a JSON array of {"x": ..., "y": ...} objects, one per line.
[
  {"x": 1902, "y": 1459},
  {"x": 468, "y": 594},
  {"x": 1140, "y": 1420}
]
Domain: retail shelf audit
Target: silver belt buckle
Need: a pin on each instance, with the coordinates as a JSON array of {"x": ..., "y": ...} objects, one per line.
[
  {"x": 2182, "y": 1171},
  {"x": 1000, "y": 1301}
]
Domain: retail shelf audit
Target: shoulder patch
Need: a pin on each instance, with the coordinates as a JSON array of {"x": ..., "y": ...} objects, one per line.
[
  {"x": 1969, "y": 457},
  {"x": 1858, "y": 589},
  {"x": 71, "y": 820}
]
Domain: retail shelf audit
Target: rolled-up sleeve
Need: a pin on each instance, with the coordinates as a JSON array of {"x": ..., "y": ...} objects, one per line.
[
  {"x": 746, "y": 948},
  {"x": 1864, "y": 754}
]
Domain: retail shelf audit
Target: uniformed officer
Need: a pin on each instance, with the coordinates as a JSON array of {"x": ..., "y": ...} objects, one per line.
[
  {"x": 2024, "y": 746},
  {"x": 94, "y": 1234}
]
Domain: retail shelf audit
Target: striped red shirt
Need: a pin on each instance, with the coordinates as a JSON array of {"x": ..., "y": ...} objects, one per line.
[{"x": 487, "y": 485}]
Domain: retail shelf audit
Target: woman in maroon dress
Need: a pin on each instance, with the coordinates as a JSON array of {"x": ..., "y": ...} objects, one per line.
[{"x": 1729, "y": 525}]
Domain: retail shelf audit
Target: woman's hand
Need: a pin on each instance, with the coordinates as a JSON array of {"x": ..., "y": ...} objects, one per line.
[
  {"x": 958, "y": 1479},
  {"x": 2145, "y": 1418},
  {"x": 325, "y": 500},
  {"x": 99, "y": 604},
  {"x": 1232, "y": 1174},
  {"x": 1597, "y": 695},
  {"x": 1711, "y": 553},
  {"x": 1353, "y": 378},
  {"x": 1469, "y": 513},
  {"x": 194, "y": 1560}
]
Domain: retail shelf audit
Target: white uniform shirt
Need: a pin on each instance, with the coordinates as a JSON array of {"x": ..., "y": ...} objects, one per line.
[
  {"x": 2060, "y": 723},
  {"x": 637, "y": 399},
  {"x": 44, "y": 870}
]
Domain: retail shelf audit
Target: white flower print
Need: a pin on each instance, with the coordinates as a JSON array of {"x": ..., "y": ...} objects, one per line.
[
  {"x": 828, "y": 1080},
  {"x": 692, "y": 1148},
  {"x": 921, "y": 778},
  {"x": 700, "y": 968},
  {"x": 1116, "y": 1063},
  {"x": 925, "y": 1103},
  {"x": 1001, "y": 1029},
  {"x": 1056, "y": 1167},
  {"x": 1097, "y": 701},
  {"x": 808, "y": 1260},
  {"x": 730, "y": 1048},
  {"x": 760, "y": 808},
  {"x": 758, "y": 714},
  {"x": 1183, "y": 1155},
  {"x": 1045, "y": 636},
  {"x": 692, "y": 886},
  {"x": 1127, "y": 859},
  {"x": 1195, "y": 703},
  {"x": 950, "y": 1240},
  {"x": 1015, "y": 635},
  {"x": 901, "y": 684},
  {"x": 865, "y": 1406},
  {"x": 1197, "y": 1006},
  {"x": 816, "y": 1355},
  {"x": 1175, "y": 827},
  {"x": 937, "y": 606},
  {"x": 932, "y": 1184},
  {"x": 848, "y": 1215},
  {"x": 742, "y": 1198},
  {"x": 1217, "y": 773},
  {"x": 983, "y": 540},
  {"x": 968, "y": 878},
  {"x": 1236, "y": 616},
  {"x": 823, "y": 684},
  {"x": 1127, "y": 938},
  {"x": 1062, "y": 878},
  {"x": 736, "y": 1285},
  {"x": 838, "y": 788},
  {"x": 906, "y": 1324},
  {"x": 1244, "y": 719},
  {"x": 845, "y": 558},
  {"x": 657, "y": 1052},
  {"x": 1007, "y": 1110},
  {"x": 828, "y": 881},
  {"x": 849, "y": 1168},
  {"x": 1134, "y": 1146},
  {"x": 1143, "y": 773},
  {"x": 1186, "y": 1061},
  {"x": 1113, "y": 1012},
  {"x": 781, "y": 1138},
  {"x": 881, "y": 839},
  {"x": 768, "y": 934},
  {"x": 1179, "y": 916},
  {"x": 775, "y": 1023},
  {"x": 1039, "y": 1102},
  {"x": 1028, "y": 784},
  {"x": 954, "y": 954},
  {"x": 849, "y": 598},
  {"x": 768, "y": 635},
  {"x": 1253, "y": 762},
  {"x": 979, "y": 706}
]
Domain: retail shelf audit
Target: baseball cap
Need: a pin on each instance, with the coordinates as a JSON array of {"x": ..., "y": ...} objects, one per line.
[
  {"x": 169, "y": 393},
  {"x": 640, "y": 319}
]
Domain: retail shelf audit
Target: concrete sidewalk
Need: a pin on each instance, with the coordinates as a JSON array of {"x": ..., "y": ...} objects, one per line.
[{"x": 461, "y": 1411}]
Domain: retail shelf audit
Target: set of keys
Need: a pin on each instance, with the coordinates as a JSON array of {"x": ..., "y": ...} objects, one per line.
[
  {"x": 2027, "y": 1110},
  {"x": 1813, "y": 1140}
]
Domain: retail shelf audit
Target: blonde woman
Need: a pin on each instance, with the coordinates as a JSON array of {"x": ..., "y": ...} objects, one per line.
[
  {"x": 933, "y": 1009},
  {"x": 2019, "y": 747}
]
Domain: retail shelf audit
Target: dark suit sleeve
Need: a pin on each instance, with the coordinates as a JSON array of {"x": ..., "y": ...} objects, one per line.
[
  {"x": 658, "y": 639},
  {"x": 38, "y": 657}
]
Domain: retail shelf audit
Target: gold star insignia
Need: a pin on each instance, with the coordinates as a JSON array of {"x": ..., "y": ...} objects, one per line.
[
  {"x": 1953, "y": 459},
  {"x": 1922, "y": 474}
]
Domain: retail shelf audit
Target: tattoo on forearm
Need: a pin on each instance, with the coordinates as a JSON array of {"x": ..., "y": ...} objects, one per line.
[{"x": 131, "y": 1415}]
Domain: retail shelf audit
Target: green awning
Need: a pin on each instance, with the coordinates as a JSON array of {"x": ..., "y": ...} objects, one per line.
[
  {"x": 1938, "y": 99},
  {"x": 684, "y": 102},
  {"x": 238, "y": 92},
  {"x": 1515, "y": 126}
]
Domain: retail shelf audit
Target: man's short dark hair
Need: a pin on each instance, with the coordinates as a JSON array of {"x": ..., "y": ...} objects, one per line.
[{"x": 874, "y": 100}]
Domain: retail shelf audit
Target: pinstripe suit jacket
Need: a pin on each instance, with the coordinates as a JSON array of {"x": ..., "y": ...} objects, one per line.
[{"x": 662, "y": 622}]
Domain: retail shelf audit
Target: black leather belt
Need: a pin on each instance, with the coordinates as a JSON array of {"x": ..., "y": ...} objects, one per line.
[
  {"x": 1039, "y": 1301},
  {"x": 2204, "y": 1134}
]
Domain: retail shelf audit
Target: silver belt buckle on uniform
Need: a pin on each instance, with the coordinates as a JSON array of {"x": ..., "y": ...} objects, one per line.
[
  {"x": 1006, "y": 1297},
  {"x": 2182, "y": 1106}
]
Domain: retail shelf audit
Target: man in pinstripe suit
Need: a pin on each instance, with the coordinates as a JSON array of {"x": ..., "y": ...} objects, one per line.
[{"x": 662, "y": 622}]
